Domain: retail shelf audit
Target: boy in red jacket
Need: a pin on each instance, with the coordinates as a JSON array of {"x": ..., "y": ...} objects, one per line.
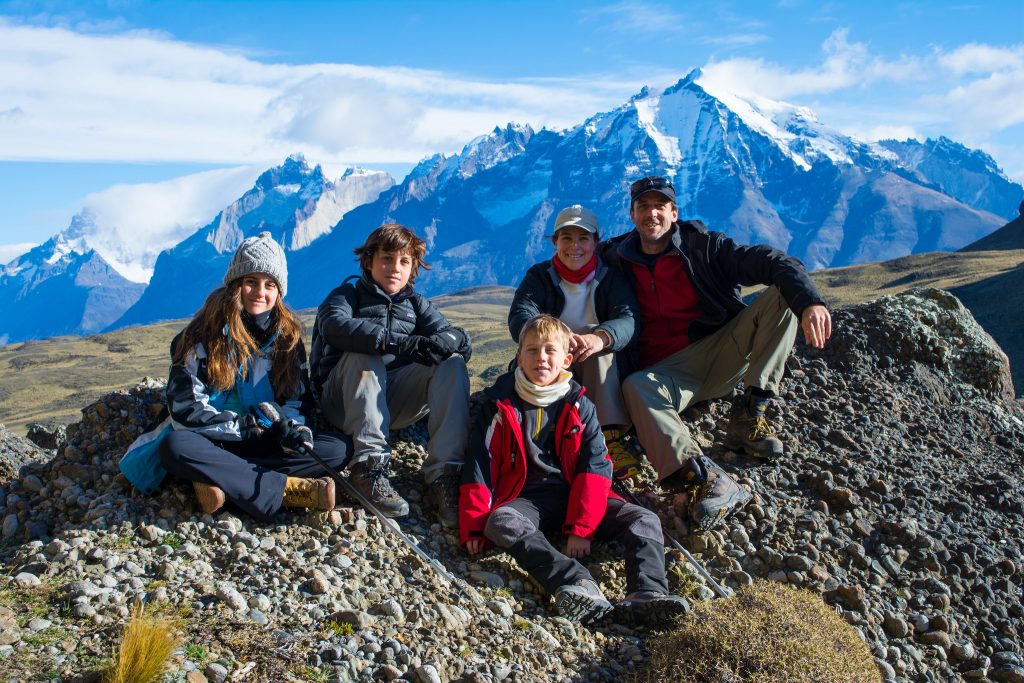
[{"x": 537, "y": 463}]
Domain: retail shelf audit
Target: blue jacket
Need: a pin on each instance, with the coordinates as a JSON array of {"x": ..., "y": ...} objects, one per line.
[{"x": 196, "y": 406}]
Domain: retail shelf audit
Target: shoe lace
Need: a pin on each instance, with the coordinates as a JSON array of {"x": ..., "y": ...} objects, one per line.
[
  {"x": 761, "y": 429},
  {"x": 701, "y": 491},
  {"x": 380, "y": 485}
]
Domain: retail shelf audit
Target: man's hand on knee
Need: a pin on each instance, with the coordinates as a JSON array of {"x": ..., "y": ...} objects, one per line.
[{"x": 816, "y": 322}]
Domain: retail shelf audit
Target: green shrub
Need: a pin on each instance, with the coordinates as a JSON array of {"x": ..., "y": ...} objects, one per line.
[{"x": 766, "y": 632}]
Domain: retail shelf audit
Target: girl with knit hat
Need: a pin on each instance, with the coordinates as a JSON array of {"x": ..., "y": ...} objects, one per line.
[
  {"x": 243, "y": 348},
  {"x": 598, "y": 305}
]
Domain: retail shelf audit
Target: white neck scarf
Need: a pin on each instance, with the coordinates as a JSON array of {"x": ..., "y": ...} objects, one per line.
[{"x": 542, "y": 396}]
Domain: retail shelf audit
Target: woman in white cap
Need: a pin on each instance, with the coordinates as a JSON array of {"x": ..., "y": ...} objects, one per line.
[
  {"x": 598, "y": 305},
  {"x": 243, "y": 349}
]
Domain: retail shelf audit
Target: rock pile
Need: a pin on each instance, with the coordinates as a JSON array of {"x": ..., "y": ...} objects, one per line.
[{"x": 900, "y": 501}]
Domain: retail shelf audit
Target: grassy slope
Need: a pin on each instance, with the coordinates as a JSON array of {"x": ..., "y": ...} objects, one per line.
[{"x": 51, "y": 380}]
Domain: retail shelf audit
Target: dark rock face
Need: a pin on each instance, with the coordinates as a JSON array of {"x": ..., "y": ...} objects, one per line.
[
  {"x": 50, "y": 439},
  {"x": 930, "y": 332},
  {"x": 900, "y": 501}
]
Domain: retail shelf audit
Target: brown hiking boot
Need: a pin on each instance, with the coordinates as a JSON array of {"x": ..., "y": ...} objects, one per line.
[
  {"x": 375, "y": 486},
  {"x": 749, "y": 431},
  {"x": 443, "y": 495},
  {"x": 715, "y": 498},
  {"x": 302, "y": 492},
  {"x": 210, "y": 497},
  {"x": 624, "y": 463}
]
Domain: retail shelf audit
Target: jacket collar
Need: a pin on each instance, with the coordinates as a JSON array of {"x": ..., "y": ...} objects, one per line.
[{"x": 368, "y": 283}]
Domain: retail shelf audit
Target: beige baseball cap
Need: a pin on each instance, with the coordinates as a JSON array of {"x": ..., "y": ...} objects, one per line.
[{"x": 577, "y": 216}]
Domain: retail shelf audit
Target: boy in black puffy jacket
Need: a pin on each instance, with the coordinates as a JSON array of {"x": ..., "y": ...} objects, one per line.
[{"x": 383, "y": 357}]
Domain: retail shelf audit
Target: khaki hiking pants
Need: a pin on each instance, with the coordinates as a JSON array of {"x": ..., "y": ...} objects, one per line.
[
  {"x": 599, "y": 375},
  {"x": 753, "y": 347}
]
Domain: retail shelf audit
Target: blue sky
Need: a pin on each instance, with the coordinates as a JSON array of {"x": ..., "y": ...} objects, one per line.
[{"x": 98, "y": 94}]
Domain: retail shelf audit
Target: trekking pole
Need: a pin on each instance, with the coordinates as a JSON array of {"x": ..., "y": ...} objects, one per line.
[
  {"x": 619, "y": 487},
  {"x": 267, "y": 412}
]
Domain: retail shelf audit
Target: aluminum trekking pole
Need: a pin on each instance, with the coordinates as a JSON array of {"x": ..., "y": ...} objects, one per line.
[
  {"x": 267, "y": 414},
  {"x": 619, "y": 487}
]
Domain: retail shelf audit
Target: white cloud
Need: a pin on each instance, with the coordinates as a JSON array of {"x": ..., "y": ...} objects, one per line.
[
  {"x": 975, "y": 58},
  {"x": 140, "y": 96},
  {"x": 734, "y": 39},
  {"x": 9, "y": 252},
  {"x": 134, "y": 223},
  {"x": 846, "y": 64},
  {"x": 630, "y": 17}
]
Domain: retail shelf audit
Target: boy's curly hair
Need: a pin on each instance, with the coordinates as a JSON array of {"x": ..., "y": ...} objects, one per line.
[{"x": 393, "y": 237}]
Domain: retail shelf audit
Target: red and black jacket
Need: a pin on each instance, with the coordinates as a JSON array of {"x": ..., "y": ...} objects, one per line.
[{"x": 496, "y": 461}]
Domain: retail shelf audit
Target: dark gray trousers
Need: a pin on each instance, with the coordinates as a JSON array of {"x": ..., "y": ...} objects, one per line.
[{"x": 520, "y": 528}]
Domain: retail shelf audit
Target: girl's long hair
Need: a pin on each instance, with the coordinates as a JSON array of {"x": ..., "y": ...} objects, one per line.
[{"x": 229, "y": 346}]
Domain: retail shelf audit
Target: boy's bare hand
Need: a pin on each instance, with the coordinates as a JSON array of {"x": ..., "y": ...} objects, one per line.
[
  {"x": 577, "y": 547},
  {"x": 475, "y": 546}
]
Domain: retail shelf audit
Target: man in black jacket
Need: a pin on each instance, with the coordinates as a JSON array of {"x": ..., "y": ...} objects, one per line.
[{"x": 697, "y": 339}]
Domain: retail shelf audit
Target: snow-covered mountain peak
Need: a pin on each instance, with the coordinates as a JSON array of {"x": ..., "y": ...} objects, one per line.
[
  {"x": 296, "y": 203},
  {"x": 497, "y": 146},
  {"x": 794, "y": 129}
]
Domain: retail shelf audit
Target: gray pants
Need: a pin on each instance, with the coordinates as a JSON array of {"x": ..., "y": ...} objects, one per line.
[
  {"x": 753, "y": 347},
  {"x": 520, "y": 527},
  {"x": 364, "y": 399}
]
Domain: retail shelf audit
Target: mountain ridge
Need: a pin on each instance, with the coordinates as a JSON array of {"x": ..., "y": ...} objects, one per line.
[{"x": 758, "y": 170}]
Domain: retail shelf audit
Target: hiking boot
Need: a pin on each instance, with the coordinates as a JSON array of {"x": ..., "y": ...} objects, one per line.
[
  {"x": 375, "y": 487},
  {"x": 647, "y": 608},
  {"x": 211, "y": 498},
  {"x": 693, "y": 473},
  {"x": 749, "y": 431},
  {"x": 624, "y": 463},
  {"x": 712, "y": 501},
  {"x": 581, "y": 601},
  {"x": 443, "y": 495},
  {"x": 304, "y": 492}
]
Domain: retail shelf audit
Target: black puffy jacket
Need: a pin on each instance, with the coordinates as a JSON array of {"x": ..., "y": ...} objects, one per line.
[{"x": 359, "y": 316}]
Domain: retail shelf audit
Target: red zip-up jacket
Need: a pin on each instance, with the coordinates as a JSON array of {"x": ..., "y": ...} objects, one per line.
[{"x": 495, "y": 469}]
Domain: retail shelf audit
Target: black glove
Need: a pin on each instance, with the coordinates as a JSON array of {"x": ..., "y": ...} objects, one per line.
[
  {"x": 420, "y": 349},
  {"x": 293, "y": 437},
  {"x": 250, "y": 427},
  {"x": 454, "y": 340}
]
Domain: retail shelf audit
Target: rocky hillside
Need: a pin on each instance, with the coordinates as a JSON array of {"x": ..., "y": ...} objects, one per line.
[{"x": 900, "y": 502}]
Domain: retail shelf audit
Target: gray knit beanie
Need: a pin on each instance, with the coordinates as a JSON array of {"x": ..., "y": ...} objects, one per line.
[{"x": 260, "y": 254}]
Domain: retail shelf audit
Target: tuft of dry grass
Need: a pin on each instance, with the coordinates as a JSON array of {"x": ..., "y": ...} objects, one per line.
[
  {"x": 145, "y": 649},
  {"x": 765, "y": 632}
]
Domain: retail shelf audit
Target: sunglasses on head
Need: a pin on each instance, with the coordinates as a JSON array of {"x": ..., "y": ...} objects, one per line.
[{"x": 648, "y": 184}]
